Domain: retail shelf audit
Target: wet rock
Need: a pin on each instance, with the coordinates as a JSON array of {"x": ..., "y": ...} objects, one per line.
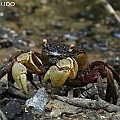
[
  {"x": 9, "y": 37},
  {"x": 95, "y": 115},
  {"x": 12, "y": 14},
  {"x": 29, "y": 31},
  {"x": 3, "y": 88},
  {"x": 85, "y": 15},
  {"x": 58, "y": 25},
  {"x": 26, "y": 115},
  {"x": 12, "y": 109},
  {"x": 110, "y": 20},
  {"x": 39, "y": 101},
  {"x": 2, "y": 15},
  {"x": 70, "y": 37},
  {"x": 44, "y": 1},
  {"x": 116, "y": 32},
  {"x": 59, "y": 108},
  {"x": 116, "y": 116},
  {"x": 101, "y": 44},
  {"x": 16, "y": 93},
  {"x": 86, "y": 31}
]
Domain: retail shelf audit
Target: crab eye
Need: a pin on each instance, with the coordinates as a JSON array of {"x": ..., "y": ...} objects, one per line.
[
  {"x": 45, "y": 43},
  {"x": 71, "y": 48}
]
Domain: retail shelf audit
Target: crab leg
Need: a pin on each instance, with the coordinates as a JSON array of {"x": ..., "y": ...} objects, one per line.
[
  {"x": 5, "y": 69},
  {"x": 111, "y": 91},
  {"x": 91, "y": 78},
  {"x": 115, "y": 75},
  {"x": 100, "y": 87},
  {"x": 30, "y": 78},
  {"x": 101, "y": 63}
]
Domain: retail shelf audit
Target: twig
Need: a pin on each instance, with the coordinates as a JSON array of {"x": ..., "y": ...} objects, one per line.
[
  {"x": 88, "y": 103},
  {"x": 110, "y": 9}
]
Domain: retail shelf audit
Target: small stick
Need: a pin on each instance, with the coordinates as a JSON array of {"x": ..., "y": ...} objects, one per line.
[
  {"x": 110, "y": 9},
  {"x": 88, "y": 103}
]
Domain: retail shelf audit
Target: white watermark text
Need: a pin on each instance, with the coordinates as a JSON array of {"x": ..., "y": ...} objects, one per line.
[{"x": 5, "y": 4}]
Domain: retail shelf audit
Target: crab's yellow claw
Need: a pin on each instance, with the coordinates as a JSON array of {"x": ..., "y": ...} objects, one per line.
[
  {"x": 26, "y": 58},
  {"x": 58, "y": 74},
  {"x": 82, "y": 61},
  {"x": 74, "y": 68},
  {"x": 19, "y": 72},
  {"x": 23, "y": 58},
  {"x": 64, "y": 64},
  {"x": 23, "y": 81},
  {"x": 57, "y": 77}
]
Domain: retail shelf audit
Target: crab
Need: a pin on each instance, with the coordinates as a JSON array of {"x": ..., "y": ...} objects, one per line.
[
  {"x": 68, "y": 65},
  {"x": 20, "y": 68},
  {"x": 61, "y": 65}
]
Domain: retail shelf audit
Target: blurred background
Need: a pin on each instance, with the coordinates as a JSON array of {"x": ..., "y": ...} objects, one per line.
[{"x": 85, "y": 23}]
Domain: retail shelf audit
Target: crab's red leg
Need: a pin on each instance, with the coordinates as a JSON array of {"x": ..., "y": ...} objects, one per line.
[
  {"x": 38, "y": 55},
  {"x": 82, "y": 80},
  {"x": 111, "y": 91},
  {"x": 92, "y": 77},
  {"x": 100, "y": 87},
  {"x": 10, "y": 77},
  {"x": 115, "y": 75},
  {"x": 30, "y": 78},
  {"x": 5, "y": 69}
]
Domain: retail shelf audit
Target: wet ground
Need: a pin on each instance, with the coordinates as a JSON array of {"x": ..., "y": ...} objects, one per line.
[{"x": 83, "y": 23}]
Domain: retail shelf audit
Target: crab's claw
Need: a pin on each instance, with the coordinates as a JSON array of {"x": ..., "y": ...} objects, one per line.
[
  {"x": 58, "y": 74},
  {"x": 58, "y": 77},
  {"x": 32, "y": 61},
  {"x": 19, "y": 72}
]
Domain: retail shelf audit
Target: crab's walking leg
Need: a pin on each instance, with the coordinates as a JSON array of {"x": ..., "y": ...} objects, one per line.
[
  {"x": 100, "y": 87},
  {"x": 101, "y": 63},
  {"x": 115, "y": 75},
  {"x": 111, "y": 91},
  {"x": 30, "y": 78},
  {"x": 5, "y": 69},
  {"x": 91, "y": 78}
]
